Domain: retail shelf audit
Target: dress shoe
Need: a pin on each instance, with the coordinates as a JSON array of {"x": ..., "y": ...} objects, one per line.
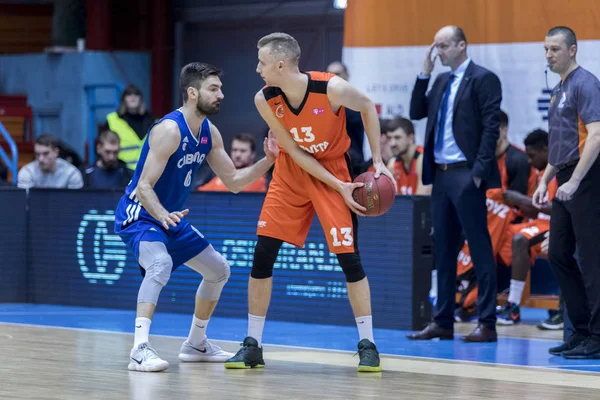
[
  {"x": 432, "y": 331},
  {"x": 481, "y": 334}
]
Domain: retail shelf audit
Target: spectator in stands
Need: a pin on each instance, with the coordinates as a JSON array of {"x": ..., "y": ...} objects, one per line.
[
  {"x": 131, "y": 122},
  {"x": 243, "y": 154},
  {"x": 359, "y": 151},
  {"x": 48, "y": 171},
  {"x": 407, "y": 161},
  {"x": 109, "y": 172}
]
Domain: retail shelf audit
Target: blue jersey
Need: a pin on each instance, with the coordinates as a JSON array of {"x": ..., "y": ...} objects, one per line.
[{"x": 173, "y": 186}]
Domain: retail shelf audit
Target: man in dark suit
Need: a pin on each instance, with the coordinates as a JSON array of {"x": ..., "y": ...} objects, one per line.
[{"x": 463, "y": 120}]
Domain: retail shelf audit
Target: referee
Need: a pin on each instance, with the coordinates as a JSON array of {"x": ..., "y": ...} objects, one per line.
[{"x": 574, "y": 144}]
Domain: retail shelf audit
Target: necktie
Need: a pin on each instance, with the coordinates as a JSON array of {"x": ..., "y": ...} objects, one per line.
[{"x": 439, "y": 140}]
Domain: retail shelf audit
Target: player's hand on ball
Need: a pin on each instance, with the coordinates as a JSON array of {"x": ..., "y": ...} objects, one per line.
[
  {"x": 271, "y": 147},
  {"x": 346, "y": 192},
  {"x": 173, "y": 218},
  {"x": 380, "y": 168}
]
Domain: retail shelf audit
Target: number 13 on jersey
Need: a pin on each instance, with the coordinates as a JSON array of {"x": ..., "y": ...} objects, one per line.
[
  {"x": 346, "y": 233},
  {"x": 306, "y": 133}
]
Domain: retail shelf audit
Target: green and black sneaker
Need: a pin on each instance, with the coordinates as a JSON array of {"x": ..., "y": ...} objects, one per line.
[
  {"x": 249, "y": 356},
  {"x": 369, "y": 357}
]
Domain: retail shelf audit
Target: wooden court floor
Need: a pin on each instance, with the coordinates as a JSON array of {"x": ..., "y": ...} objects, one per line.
[{"x": 57, "y": 363}]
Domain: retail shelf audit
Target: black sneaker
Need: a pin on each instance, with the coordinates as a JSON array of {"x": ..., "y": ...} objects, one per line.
[
  {"x": 509, "y": 314},
  {"x": 465, "y": 315},
  {"x": 555, "y": 322},
  {"x": 369, "y": 357},
  {"x": 588, "y": 349},
  {"x": 249, "y": 356},
  {"x": 573, "y": 341}
]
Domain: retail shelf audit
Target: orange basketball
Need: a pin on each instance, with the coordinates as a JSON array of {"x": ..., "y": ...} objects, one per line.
[{"x": 376, "y": 195}]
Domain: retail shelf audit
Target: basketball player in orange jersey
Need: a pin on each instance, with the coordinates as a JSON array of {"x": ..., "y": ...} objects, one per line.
[
  {"x": 306, "y": 112},
  {"x": 523, "y": 242},
  {"x": 407, "y": 163}
]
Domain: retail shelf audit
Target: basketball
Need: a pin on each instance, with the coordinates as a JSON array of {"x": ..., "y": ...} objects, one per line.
[{"x": 377, "y": 195}]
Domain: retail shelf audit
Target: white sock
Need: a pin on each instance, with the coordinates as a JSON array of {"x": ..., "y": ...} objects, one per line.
[
  {"x": 516, "y": 291},
  {"x": 256, "y": 324},
  {"x": 365, "y": 327},
  {"x": 142, "y": 330},
  {"x": 197, "y": 331}
]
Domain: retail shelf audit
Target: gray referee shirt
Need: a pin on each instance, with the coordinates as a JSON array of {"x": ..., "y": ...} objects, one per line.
[{"x": 574, "y": 104}]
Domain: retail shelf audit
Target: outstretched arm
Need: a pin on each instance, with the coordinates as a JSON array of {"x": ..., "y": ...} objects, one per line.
[
  {"x": 163, "y": 142},
  {"x": 525, "y": 203},
  {"x": 237, "y": 179}
]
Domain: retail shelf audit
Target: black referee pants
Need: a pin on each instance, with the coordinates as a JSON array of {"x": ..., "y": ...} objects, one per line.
[{"x": 575, "y": 224}]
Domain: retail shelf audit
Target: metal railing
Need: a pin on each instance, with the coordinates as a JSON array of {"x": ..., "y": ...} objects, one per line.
[
  {"x": 13, "y": 164},
  {"x": 93, "y": 106}
]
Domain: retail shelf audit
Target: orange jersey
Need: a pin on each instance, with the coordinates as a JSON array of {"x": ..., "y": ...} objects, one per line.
[
  {"x": 499, "y": 217},
  {"x": 217, "y": 185},
  {"x": 407, "y": 180},
  {"x": 313, "y": 125},
  {"x": 505, "y": 177}
]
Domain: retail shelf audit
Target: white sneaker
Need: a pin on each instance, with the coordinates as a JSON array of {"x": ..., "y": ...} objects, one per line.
[
  {"x": 144, "y": 359},
  {"x": 204, "y": 352}
]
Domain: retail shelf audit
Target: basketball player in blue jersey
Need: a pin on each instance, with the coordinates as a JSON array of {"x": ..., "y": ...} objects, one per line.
[{"x": 150, "y": 217}]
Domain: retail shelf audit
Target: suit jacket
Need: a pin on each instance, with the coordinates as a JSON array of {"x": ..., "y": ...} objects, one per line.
[{"x": 476, "y": 123}]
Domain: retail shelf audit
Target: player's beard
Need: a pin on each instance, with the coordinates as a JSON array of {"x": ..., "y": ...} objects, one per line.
[{"x": 206, "y": 108}]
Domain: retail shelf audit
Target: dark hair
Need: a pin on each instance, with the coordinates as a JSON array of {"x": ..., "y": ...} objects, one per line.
[
  {"x": 108, "y": 136},
  {"x": 131, "y": 89},
  {"x": 401, "y": 122},
  {"x": 193, "y": 75},
  {"x": 47, "y": 140},
  {"x": 503, "y": 119},
  {"x": 537, "y": 139},
  {"x": 384, "y": 123},
  {"x": 570, "y": 38},
  {"x": 246, "y": 138},
  {"x": 459, "y": 35}
]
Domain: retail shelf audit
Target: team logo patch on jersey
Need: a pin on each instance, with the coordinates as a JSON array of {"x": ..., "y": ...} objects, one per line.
[
  {"x": 279, "y": 112},
  {"x": 318, "y": 111},
  {"x": 561, "y": 104},
  {"x": 204, "y": 140},
  {"x": 185, "y": 143}
]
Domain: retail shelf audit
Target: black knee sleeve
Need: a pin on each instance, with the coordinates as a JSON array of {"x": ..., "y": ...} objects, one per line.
[
  {"x": 352, "y": 267},
  {"x": 265, "y": 254}
]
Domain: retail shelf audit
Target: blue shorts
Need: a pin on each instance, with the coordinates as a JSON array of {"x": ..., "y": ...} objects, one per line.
[{"x": 183, "y": 242}]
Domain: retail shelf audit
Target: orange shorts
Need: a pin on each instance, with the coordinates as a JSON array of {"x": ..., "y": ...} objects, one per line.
[
  {"x": 534, "y": 231},
  {"x": 292, "y": 199}
]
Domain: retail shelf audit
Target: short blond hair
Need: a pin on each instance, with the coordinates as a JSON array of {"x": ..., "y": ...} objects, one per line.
[{"x": 282, "y": 45}]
